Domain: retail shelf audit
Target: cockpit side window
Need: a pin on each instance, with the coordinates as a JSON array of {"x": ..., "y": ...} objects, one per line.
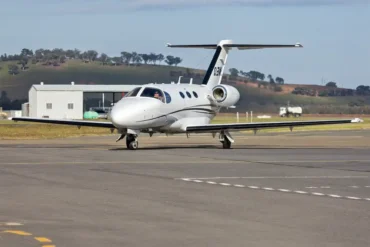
[
  {"x": 133, "y": 93},
  {"x": 153, "y": 93}
]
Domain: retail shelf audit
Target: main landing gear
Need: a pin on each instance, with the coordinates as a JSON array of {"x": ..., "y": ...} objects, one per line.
[
  {"x": 226, "y": 139},
  {"x": 131, "y": 142}
]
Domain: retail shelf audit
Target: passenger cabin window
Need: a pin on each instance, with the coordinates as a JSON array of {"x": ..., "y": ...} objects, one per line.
[
  {"x": 188, "y": 94},
  {"x": 182, "y": 95},
  {"x": 133, "y": 93},
  {"x": 168, "y": 97},
  {"x": 153, "y": 93},
  {"x": 195, "y": 94},
  {"x": 49, "y": 106},
  {"x": 70, "y": 106}
]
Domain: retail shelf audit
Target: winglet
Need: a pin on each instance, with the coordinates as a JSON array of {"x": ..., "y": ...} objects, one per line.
[{"x": 298, "y": 44}]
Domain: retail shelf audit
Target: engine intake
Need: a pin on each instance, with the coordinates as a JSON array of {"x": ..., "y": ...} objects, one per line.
[{"x": 225, "y": 95}]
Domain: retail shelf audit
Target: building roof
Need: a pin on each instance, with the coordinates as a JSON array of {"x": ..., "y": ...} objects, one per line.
[{"x": 84, "y": 88}]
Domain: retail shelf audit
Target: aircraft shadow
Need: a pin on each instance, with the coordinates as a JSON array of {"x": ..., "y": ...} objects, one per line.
[{"x": 219, "y": 147}]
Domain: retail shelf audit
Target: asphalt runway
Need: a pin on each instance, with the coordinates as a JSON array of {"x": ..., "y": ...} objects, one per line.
[{"x": 287, "y": 189}]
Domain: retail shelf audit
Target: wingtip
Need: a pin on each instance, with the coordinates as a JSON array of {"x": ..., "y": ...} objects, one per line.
[
  {"x": 357, "y": 120},
  {"x": 298, "y": 44},
  {"x": 168, "y": 45}
]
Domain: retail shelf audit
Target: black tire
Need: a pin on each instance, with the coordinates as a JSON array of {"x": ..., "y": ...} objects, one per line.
[
  {"x": 129, "y": 138},
  {"x": 226, "y": 144}
]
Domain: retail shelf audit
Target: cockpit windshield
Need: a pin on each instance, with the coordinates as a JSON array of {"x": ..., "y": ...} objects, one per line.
[
  {"x": 133, "y": 93},
  {"x": 153, "y": 93}
]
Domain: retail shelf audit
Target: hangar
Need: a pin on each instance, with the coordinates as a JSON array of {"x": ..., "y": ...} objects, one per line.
[{"x": 66, "y": 101}]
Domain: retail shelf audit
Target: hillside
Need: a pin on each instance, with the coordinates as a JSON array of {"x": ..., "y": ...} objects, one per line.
[{"x": 253, "y": 97}]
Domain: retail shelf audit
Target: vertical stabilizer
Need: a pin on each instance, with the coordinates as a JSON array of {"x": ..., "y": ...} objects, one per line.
[{"x": 216, "y": 68}]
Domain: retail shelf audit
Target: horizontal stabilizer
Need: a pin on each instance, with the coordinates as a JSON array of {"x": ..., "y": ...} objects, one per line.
[
  {"x": 193, "y": 46},
  {"x": 239, "y": 46},
  {"x": 259, "y": 46}
]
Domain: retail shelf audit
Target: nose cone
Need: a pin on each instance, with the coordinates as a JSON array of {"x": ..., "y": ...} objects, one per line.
[{"x": 129, "y": 112}]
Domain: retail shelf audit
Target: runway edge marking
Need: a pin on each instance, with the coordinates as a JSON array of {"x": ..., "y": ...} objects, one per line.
[{"x": 273, "y": 189}]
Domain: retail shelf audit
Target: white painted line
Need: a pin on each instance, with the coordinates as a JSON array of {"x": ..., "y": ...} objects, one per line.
[
  {"x": 284, "y": 190},
  {"x": 284, "y": 177},
  {"x": 335, "y": 196},
  {"x": 300, "y": 192},
  {"x": 197, "y": 181},
  {"x": 353, "y": 186},
  {"x": 186, "y": 179},
  {"x": 367, "y": 199},
  {"x": 253, "y": 187},
  {"x": 317, "y": 194},
  {"x": 266, "y": 188},
  {"x": 325, "y": 187},
  {"x": 225, "y": 184},
  {"x": 13, "y": 224},
  {"x": 311, "y": 187},
  {"x": 353, "y": 198},
  {"x": 367, "y": 186},
  {"x": 239, "y": 185},
  {"x": 210, "y": 182}
]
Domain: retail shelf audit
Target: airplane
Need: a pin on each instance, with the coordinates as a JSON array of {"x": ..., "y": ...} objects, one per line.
[{"x": 184, "y": 108}]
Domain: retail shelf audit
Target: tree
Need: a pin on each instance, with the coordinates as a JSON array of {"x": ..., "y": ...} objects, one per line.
[
  {"x": 234, "y": 72},
  {"x": 363, "y": 90},
  {"x": 331, "y": 84},
  {"x": 92, "y": 55},
  {"x": 170, "y": 60},
  {"x": 103, "y": 58},
  {"x": 153, "y": 58},
  {"x": 126, "y": 57},
  {"x": 272, "y": 81},
  {"x": 255, "y": 75},
  {"x": 26, "y": 53},
  {"x": 23, "y": 63},
  {"x": 279, "y": 80},
  {"x": 160, "y": 58},
  {"x": 177, "y": 61},
  {"x": 13, "y": 69},
  {"x": 136, "y": 58},
  {"x": 145, "y": 57}
]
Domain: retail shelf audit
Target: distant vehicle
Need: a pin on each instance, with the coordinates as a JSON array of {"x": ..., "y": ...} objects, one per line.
[
  {"x": 290, "y": 111},
  {"x": 102, "y": 114}
]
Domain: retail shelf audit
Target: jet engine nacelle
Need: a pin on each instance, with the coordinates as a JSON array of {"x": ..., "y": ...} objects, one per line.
[{"x": 225, "y": 95}]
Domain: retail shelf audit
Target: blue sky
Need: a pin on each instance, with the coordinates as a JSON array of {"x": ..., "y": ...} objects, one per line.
[{"x": 335, "y": 33}]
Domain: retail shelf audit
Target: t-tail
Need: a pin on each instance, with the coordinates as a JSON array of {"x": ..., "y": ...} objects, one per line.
[{"x": 216, "y": 68}]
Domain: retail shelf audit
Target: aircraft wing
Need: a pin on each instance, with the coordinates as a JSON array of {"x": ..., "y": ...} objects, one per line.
[
  {"x": 66, "y": 122},
  {"x": 264, "y": 125}
]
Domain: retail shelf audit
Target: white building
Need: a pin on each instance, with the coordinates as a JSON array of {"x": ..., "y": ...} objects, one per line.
[{"x": 65, "y": 101}]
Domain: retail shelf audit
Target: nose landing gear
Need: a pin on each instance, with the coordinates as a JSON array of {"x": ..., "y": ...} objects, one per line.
[{"x": 131, "y": 142}]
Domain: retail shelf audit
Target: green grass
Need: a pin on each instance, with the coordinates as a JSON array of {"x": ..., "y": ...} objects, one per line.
[{"x": 10, "y": 130}]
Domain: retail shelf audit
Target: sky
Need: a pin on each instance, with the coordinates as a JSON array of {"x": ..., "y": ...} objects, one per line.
[{"x": 335, "y": 33}]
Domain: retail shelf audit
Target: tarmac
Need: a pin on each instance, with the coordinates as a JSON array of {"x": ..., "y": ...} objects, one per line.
[{"x": 284, "y": 189}]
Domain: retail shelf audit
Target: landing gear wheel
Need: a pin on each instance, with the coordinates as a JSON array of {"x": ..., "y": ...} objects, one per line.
[
  {"x": 226, "y": 144},
  {"x": 133, "y": 145},
  {"x": 131, "y": 142}
]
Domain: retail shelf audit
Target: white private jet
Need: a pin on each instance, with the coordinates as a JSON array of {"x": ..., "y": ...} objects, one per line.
[{"x": 184, "y": 108}]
